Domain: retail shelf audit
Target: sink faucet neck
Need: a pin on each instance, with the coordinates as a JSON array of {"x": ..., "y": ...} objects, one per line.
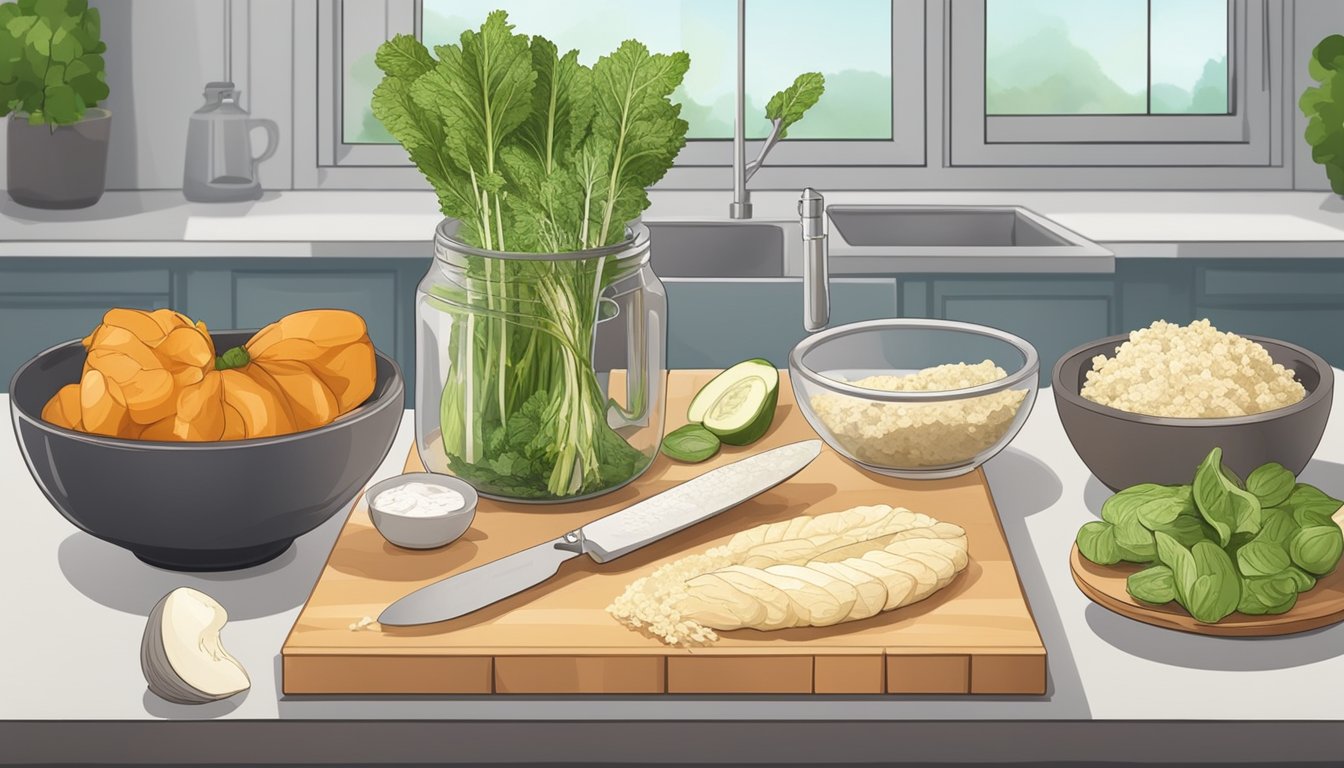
[
  {"x": 741, "y": 207},
  {"x": 816, "y": 261}
]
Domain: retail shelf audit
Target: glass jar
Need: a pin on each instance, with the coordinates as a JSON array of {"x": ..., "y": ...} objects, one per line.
[{"x": 540, "y": 377}]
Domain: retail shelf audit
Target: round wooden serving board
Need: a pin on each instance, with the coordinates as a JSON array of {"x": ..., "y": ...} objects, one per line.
[{"x": 1318, "y": 607}]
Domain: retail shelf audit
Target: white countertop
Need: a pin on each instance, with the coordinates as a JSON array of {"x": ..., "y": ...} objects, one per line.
[
  {"x": 76, "y": 608},
  {"x": 373, "y": 224}
]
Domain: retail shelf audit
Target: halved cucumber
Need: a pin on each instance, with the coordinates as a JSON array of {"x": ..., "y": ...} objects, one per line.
[{"x": 738, "y": 404}]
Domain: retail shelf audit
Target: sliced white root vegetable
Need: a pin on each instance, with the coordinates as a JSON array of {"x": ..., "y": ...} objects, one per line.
[
  {"x": 871, "y": 591},
  {"x": 807, "y": 571},
  {"x": 181, "y": 655},
  {"x": 779, "y": 611},
  {"x": 716, "y": 603},
  {"x": 810, "y": 602},
  {"x": 843, "y": 594},
  {"x": 900, "y": 585},
  {"x": 926, "y": 580}
]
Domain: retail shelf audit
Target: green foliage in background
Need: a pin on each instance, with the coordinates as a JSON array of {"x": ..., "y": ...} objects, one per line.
[
  {"x": 1323, "y": 106},
  {"x": 1219, "y": 545},
  {"x": 51, "y": 63}
]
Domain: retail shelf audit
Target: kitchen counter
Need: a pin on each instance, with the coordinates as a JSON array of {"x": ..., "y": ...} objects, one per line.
[
  {"x": 399, "y": 224},
  {"x": 76, "y": 609}
]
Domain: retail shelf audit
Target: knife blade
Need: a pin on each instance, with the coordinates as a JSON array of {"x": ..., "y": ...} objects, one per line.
[{"x": 604, "y": 539}]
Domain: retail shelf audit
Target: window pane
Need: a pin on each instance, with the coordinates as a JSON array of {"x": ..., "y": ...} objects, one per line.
[
  {"x": 1190, "y": 57},
  {"x": 850, "y": 44},
  {"x": 1064, "y": 57}
]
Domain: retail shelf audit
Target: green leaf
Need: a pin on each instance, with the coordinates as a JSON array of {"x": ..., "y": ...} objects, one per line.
[
  {"x": 789, "y": 105},
  {"x": 1188, "y": 529},
  {"x": 1267, "y": 595},
  {"x": 1153, "y": 505},
  {"x": 1329, "y": 53},
  {"x": 1210, "y": 495},
  {"x": 1096, "y": 542},
  {"x": 1136, "y": 542},
  {"x": 1317, "y": 549},
  {"x": 421, "y": 133},
  {"x": 64, "y": 47},
  {"x": 1278, "y": 526},
  {"x": 1181, "y": 562},
  {"x": 61, "y": 105},
  {"x": 1302, "y": 581},
  {"x": 19, "y": 26},
  {"x": 481, "y": 90},
  {"x": 1154, "y": 585},
  {"x": 1262, "y": 558},
  {"x": 1224, "y": 505},
  {"x": 636, "y": 131},
  {"x": 1216, "y": 590},
  {"x": 1311, "y": 506},
  {"x": 561, "y": 105},
  {"x": 403, "y": 57},
  {"x": 1271, "y": 483},
  {"x": 691, "y": 443}
]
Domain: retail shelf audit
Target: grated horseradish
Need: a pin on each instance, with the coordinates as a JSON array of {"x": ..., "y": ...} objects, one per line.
[{"x": 419, "y": 500}]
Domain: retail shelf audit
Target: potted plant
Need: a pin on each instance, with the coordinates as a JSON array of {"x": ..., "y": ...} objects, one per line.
[
  {"x": 51, "y": 81},
  {"x": 1323, "y": 105}
]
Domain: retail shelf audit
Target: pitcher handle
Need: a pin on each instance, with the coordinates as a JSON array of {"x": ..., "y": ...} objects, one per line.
[{"x": 272, "y": 138}]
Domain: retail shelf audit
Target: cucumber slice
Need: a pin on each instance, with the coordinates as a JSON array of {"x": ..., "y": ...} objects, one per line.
[{"x": 738, "y": 405}]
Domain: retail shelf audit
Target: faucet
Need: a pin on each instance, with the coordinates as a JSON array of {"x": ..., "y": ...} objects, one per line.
[
  {"x": 742, "y": 170},
  {"x": 816, "y": 261}
]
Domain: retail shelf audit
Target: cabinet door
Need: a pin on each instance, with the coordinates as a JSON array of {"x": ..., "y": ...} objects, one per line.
[
  {"x": 1054, "y": 315},
  {"x": 1298, "y": 301},
  {"x": 42, "y": 308},
  {"x": 715, "y": 323}
]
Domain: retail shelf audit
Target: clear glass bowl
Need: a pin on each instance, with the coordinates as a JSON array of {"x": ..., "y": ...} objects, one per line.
[{"x": 844, "y": 380}]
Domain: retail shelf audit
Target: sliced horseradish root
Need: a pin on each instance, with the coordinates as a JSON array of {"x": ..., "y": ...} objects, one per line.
[
  {"x": 738, "y": 405},
  {"x": 181, "y": 655}
]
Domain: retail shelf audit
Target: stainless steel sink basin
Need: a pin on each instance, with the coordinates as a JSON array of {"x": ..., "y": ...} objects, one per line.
[
  {"x": 953, "y": 238},
  {"x": 723, "y": 248}
]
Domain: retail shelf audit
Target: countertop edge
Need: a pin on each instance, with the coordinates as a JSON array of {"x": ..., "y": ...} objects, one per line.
[
  {"x": 353, "y": 742},
  {"x": 399, "y": 224}
]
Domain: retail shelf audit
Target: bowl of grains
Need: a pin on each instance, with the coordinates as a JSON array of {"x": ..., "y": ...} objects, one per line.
[
  {"x": 1148, "y": 406},
  {"x": 915, "y": 398}
]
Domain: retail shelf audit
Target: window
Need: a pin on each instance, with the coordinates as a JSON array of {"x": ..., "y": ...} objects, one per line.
[
  {"x": 1127, "y": 82},
  {"x": 856, "y": 44}
]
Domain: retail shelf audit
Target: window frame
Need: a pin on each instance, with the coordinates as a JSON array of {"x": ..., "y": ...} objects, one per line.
[
  {"x": 385, "y": 166},
  {"x": 1250, "y": 136}
]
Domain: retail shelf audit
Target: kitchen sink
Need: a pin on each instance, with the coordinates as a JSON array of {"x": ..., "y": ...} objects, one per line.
[
  {"x": 723, "y": 248},
  {"x": 955, "y": 238}
]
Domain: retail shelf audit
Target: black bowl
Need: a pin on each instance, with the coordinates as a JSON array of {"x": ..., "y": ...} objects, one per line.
[
  {"x": 1124, "y": 449},
  {"x": 199, "y": 506}
]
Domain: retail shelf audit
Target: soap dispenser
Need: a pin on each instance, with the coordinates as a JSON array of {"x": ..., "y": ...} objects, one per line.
[{"x": 220, "y": 166}]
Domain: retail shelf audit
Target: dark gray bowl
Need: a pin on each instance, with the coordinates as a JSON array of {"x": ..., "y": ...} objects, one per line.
[
  {"x": 1124, "y": 449},
  {"x": 199, "y": 506}
]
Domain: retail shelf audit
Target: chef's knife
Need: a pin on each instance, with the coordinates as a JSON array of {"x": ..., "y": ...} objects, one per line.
[{"x": 604, "y": 539}]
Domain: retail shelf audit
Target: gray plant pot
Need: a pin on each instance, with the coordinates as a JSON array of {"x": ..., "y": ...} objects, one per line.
[{"x": 62, "y": 166}]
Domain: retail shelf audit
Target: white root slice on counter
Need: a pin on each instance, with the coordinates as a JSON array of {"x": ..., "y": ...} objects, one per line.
[
  {"x": 181, "y": 655},
  {"x": 813, "y": 571}
]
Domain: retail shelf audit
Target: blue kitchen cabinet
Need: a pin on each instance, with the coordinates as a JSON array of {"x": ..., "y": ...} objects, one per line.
[
  {"x": 1054, "y": 314},
  {"x": 1301, "y": 301},
  {"x": 42, "y": 307},
  {"x": 715, "y": 323}
]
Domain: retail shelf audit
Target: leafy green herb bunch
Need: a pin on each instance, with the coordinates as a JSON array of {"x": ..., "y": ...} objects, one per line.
[{"x": 51, "y": 60}]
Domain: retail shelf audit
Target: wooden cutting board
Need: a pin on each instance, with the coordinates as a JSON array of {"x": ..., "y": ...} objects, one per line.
[{"x": 976, "y": 635}]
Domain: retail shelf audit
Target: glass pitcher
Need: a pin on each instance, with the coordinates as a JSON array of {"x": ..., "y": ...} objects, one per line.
[
  {"x": 220, "y": 166},
  {"x": 540, "y": 377}
]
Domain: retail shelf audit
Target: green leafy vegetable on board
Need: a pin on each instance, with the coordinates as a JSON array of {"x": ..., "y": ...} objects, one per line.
[
  {"x": 533, "y": 152},
  {"x": 691, "y": 443},
  {"x": 1217, "y": 547}
]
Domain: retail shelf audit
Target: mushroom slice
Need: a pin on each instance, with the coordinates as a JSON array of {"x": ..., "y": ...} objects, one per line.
[{"x": 181, "y": 655}]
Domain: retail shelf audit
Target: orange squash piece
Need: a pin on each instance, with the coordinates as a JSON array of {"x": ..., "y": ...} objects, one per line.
[{"x": 155, "y": 376}]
